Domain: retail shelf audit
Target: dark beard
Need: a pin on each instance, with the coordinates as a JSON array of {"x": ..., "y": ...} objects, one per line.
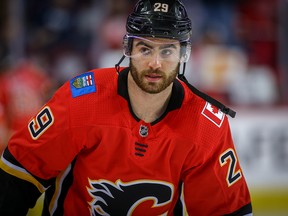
[{"x": 153, "y": 88}]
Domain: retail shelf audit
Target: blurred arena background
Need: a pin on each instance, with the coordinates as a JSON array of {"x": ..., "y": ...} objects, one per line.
[{"x": 239, "y": 56}]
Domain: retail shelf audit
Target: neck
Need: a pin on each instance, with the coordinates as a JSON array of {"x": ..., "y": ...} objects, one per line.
[{"x": 146, "y": 106}]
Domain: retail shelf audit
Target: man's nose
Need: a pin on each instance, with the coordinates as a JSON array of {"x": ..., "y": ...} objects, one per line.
[{"x": 155, "y": 62}]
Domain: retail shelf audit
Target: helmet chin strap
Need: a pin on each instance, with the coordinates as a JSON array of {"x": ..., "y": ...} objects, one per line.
[
  {"x": 117, "y": 66},
  {"x": 181, "y": 76}
]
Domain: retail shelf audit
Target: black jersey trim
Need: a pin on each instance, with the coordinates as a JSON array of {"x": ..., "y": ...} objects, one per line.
[
  {"x": 209, "y": 99},
  {"x": 63, "y": 181},
  {"x": 123, "y": 89},
  {"x": 175, "y": 101},
  {"x": 122, "y": 83},
  {"x": 245, "y": 210},
  {"x": 179, "y": 208},
  {"x": 17, "y": 195},
  {"x": 9, "y": 157}
]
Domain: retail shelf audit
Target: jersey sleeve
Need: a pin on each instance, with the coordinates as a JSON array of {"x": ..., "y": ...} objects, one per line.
[
  {"x": 19, "y": 190},
  {"x": 35, "y": 155},
  {"x": 48, "y": 144},
  {"x": 43, "y": 149},
  {"x": 217, "y": 186}
]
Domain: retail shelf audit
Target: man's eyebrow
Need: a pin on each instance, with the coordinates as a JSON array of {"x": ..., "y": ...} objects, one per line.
[
  {"x": 164, "y": 46},
  {"x": 143, "y": 44},
  {"x": 168, "y": 46}
]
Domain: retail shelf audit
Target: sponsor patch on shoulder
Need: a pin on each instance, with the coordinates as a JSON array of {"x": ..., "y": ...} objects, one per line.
[
  {"x": 82, "y": 84},
  {"x": 214, "y": 114}
]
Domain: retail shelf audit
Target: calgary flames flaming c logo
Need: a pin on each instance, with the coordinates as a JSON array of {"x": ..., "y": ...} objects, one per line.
[{"x": 133, "y": 198}]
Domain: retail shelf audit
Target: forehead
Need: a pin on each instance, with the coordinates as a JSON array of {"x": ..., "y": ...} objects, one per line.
[{"x": 155, "y": 41}]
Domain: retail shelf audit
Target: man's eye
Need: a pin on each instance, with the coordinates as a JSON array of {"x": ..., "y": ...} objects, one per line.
[
  {"x": 145, "y": 51},
  {"x": 166, "y": 53}
]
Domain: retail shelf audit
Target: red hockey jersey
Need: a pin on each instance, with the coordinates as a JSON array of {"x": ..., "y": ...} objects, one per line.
[{"x": 103, "y": 160}]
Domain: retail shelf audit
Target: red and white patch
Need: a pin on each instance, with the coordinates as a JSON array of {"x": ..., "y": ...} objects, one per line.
[{"x": 214, "y": 114}]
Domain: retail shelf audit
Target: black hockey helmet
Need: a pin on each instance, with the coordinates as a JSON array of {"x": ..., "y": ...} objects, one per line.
[{"x": 159, "y": 18}]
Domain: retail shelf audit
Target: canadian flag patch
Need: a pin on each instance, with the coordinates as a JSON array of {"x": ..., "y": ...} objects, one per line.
[{"x": 214, "y": 114}]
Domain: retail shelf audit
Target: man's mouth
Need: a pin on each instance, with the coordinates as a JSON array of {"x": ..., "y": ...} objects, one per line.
[{"x": 152, "y": 77}]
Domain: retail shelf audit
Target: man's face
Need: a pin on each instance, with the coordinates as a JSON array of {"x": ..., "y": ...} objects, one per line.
[{"x": 154, "y": 63}]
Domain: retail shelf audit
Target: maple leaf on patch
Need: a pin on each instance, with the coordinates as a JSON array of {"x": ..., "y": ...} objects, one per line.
[{"x": 215, "y": 109}]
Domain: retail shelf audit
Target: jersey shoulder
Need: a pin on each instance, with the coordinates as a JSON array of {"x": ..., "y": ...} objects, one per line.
[
  {"x": 88, "y": 98},
  {"x": 203, "y": 122},
  {"x": 206, "y": 97},
  {"x": 202, "y": 109},
  {"x": 92, "y": 81}
]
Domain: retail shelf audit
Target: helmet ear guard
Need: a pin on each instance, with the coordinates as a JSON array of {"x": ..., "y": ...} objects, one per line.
[
  {"x": 127, "y": 45},
  {"x": 185, "y": 51}
]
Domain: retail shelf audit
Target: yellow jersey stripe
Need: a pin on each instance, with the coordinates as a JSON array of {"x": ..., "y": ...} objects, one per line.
[
  {"x": 20, "y": 173},
  {"x": 58, "y": 189}
]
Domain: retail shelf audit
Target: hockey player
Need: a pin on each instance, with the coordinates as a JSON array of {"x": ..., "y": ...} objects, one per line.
[{"x": 129, "y": 141}]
